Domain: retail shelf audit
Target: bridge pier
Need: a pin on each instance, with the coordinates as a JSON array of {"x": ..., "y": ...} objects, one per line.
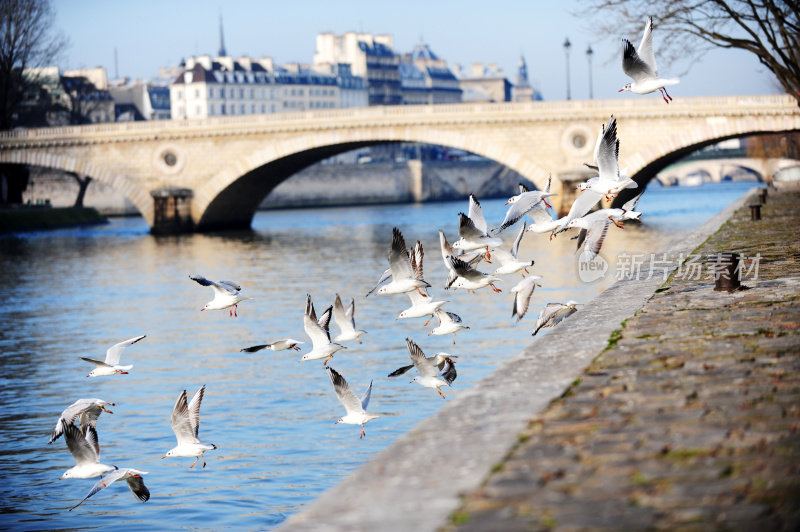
[
  {"x": 172, "y": 210},
  {"x": 568, "y": 194}
]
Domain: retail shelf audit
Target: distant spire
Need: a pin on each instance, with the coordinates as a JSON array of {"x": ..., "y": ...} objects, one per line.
[
  {"x": 522, "y": 72},
  {"x": 222, "y": 52}
]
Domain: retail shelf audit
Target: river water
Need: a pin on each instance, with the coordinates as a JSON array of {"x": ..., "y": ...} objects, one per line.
[{"x": 74, "y": 292}]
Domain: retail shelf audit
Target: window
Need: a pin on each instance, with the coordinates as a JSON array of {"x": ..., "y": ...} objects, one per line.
[
  {"x": 252, "y": 108},
  {"x": 241, "y": 93},
  {"x": 222, "y": 93},
  {"x": 241, "y": 108},
  {"x": 197, "y": 93},
  {"x": 252, "y": 93}
]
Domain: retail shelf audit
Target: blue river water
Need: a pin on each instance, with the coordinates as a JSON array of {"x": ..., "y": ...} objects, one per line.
[{"x": 74, "y": 292}]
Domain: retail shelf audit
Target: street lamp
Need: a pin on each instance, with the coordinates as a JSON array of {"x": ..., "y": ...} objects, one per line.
[
  {"x": 589, "y": 53},
  {"x": 567, "y": 45}
]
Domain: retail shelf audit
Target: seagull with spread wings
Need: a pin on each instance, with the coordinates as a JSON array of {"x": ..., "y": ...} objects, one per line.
[
  {"x": 87, "y": 410},
  {"x": 641, "y": 66},
  {"x": 111, "y": 364},
  {"x": 226, "y": 294},
  {"x": 429, "y": 375},
  {"x": 356, "y": 408},
  {"x": 186, "y": 426},
  {"x": 319, "y": 332}
]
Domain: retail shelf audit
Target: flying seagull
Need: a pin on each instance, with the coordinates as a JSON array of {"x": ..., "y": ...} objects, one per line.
[
  {"x": 277, "y": 345},
  {"x": 641, "y": 66},
  {"x": 553, "y": 314},
  {"x": 406, "y": 276},
  {"x": 356, "y": 408},
  {"x": 429, "y": 376},
  {"x": 440, "y": 360},
  {"x": 346, "y": 321},
  {"x": 319, "y": 332},
  {"x": 111, "y": 364},
  {"x": 85, "y": 449},
  {"x": 132, "y": 476},
  {"x": 226, "y": 294},
  {"x": 87, "y": 410},
  {"x": 186, "y": 425}
]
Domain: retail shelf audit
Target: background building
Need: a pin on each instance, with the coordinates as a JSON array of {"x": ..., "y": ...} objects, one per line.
[
  {"x": 426, "y": 79},
  {"x": 369, "y": 56},
  {"x": 484, "y": 83}
]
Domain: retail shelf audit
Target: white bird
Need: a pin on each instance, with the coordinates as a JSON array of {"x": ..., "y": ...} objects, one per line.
[
  {"x": 429, "y": 376},
  {"x": 186, "y": 425},
  {"x": 422, "y": 304},
  {"x": 346, "y": 321},
  {"x": 356, "y": 408},
  {"x": 641, "y": 66},
  {"x": 277, "y": 345},
  {"x": 405, "y": 276},
  {"x": 449, "y": 323},
  {"x": 85, "y": 449},
  {"x": 470, "y": 258},
  {"x": 467, "y": 277},
  {"x": 444, "y": 362},
  {"x": 509, "y": 263},
  {"x": 111, "y": 365},
  {"x": 608, "y": 182},
  {"x": 523, "y": 203},
  {"x": 88, "y": 410},
  {"x": 226, "y": 294},
  {"x": 319, "y": 332},
  {"x": 596, "y": 226},
  {"x": 132, "y": 476},
  {"x": 385, "y": 277},
  {"x": 553, "y": 314},
  {"x": 473, "y": 230},
  {"x": 523, "y": 292},
  {"x": 626, "y": 212}
]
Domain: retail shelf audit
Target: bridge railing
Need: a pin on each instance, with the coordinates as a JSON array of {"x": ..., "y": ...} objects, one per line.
[{"x": 608, "y": 106}]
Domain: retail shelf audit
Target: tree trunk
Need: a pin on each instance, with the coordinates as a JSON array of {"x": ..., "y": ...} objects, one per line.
[{"x": 83, "y": 184}]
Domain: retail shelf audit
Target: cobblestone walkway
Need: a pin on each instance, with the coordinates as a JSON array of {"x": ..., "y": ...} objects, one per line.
[{"x": 689, "y": 420}]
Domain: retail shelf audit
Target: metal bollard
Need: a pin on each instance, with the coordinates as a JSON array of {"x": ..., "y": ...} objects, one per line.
[
  {"x": 727, "y": 272},
  {"x": 755, "y": 211},
  {"x": 762, "y": 195}
]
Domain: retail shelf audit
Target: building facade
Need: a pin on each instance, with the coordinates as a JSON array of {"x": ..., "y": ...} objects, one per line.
[
  {"x": 222, "y": 86},
  {"x": 426, "y": 79},
  {"x": 370, "y": 56}
]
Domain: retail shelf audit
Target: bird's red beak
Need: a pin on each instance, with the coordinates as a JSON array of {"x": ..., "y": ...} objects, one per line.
[{"x": 620, "y": 90}]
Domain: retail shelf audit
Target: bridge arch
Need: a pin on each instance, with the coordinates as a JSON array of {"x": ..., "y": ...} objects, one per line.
[
  {"x": 231, "y": 198},
  {"x": 648, "y": 160},
  {"x": 140, "y": 197}
]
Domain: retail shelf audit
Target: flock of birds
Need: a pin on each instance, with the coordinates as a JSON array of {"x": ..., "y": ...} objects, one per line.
[{"x": 476, "y": 244}]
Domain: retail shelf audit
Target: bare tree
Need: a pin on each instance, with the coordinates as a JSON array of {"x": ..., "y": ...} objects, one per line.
[
  {"x": 26, "y": 42},
  {"x": 83, "y": 184},
  {"x": 768, "y": 29}
]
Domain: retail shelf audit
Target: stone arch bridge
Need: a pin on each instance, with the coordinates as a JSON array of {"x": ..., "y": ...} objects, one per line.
[{"x": 212, "y": 174}]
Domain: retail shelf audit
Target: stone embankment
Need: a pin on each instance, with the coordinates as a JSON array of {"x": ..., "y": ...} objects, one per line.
[
  {"x": 320, "y": 185},
  {"x": 689, "y": 420},
  {"x": 662, "y": 404}
]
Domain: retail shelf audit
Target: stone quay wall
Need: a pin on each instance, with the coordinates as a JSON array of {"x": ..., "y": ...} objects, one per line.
[{"x": 321, "y": 184}]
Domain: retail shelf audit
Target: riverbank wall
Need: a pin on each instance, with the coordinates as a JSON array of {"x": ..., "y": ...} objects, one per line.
[
  {"x": 581, "y": 431},
  {"x": 320, "y": 185},
  {"x": 35, "y": 218}
]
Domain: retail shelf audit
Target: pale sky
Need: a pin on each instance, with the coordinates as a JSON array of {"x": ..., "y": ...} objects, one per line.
[{"x": 148, "y": 34}]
